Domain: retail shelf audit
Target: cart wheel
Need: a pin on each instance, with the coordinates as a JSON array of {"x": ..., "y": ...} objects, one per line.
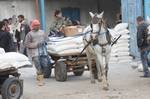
[
  {"x": 12, "y": 89},
  {"x": 61, "y": 71},
  {"x": 47, "y": 72},
  {"x": 79, "y": 72}
]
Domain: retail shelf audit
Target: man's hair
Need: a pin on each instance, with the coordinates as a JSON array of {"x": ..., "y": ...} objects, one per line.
[
  {"x": 1, "y": 24},
  {"x": 5, "y": 20},
  {"x": 21, "y": 16},
  {"x": 10, "y": 19},
  {"x": 140, "y": 18},
  {"x": 57, "y": 12}
]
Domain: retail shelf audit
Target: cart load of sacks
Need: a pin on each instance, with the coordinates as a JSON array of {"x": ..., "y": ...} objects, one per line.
[
  {"x": 65, "y": 46},
  {"x": 13, "y": 59},
  {"x": 70, "y": 45},
  {"x": 120, "y": 52}
]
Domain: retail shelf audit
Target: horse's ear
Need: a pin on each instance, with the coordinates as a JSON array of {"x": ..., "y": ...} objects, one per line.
[
  {"x": 100, "y": 15},
  {"x": 91, "y": 14}
]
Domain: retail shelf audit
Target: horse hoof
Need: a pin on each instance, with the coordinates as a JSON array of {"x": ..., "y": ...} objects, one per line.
[
  {"x": 93, "y": 82},
  {"x": 106, "y": 88},
  {"x": 99, "y": 80}
]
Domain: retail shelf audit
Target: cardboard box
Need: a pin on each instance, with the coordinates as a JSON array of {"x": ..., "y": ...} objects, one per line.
[{"x": 72, "y": 30}]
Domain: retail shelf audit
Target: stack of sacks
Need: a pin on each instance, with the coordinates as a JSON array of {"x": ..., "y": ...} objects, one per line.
[
  {"x": 63, "y": 46},
  {"x": 120, "y": 51},
  {"x": 13, "y": 59}
]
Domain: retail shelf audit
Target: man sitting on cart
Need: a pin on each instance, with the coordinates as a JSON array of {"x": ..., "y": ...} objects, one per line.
[{"x": 56, "y": 29}]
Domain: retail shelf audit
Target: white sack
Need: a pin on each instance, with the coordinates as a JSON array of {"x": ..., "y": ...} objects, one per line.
[
  {"x": 123, "y": 32},
  {"x": 123, "y": 53},
  {"x": 67, "y": 40},
  {"x": 121, "y": 26},
  {"x": 64, "y": 47},
  {"x": 124, "y": 61},
  {"x": 13, "y": 59},
  {"x": 67, "y": 52},
  {"x": 2, "y": 51}
]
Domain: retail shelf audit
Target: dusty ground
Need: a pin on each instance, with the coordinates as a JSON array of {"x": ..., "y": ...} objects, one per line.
[{"x": 125, "y": 83}]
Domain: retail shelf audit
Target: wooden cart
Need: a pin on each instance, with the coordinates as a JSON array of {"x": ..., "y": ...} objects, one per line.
[
  {"x": 66, "y": 63},
  {"x": 11, "y": 87}
]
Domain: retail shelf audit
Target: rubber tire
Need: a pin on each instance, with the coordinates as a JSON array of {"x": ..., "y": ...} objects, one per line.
[
  {"x": 47, "y": 72},
  {"x": 60, "y": 71},
  {"x": 5, "y": 88},
  {"x": 79, "y": 73}
]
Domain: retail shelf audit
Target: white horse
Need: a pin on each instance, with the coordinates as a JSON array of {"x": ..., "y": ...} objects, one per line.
[{"x": 99, "y": 48}]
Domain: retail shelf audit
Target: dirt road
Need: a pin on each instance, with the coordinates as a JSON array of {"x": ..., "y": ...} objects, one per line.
[{"x": 125, "y": 83}]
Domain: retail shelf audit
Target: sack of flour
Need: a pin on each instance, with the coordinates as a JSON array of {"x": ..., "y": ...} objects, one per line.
[{"x": 121, "y": 26}]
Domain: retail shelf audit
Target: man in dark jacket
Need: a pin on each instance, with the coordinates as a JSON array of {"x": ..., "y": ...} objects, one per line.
[
  {"x": 142, "y": 43},
  {"x": 21, "y": 34},
  {"x": 6, "y": 41}
]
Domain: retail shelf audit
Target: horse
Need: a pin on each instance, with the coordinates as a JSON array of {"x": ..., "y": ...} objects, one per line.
[{"x": 99, "y": 48}]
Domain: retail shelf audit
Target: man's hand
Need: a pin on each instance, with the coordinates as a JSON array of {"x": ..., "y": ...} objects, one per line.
[{"x": 41, "y": 43}]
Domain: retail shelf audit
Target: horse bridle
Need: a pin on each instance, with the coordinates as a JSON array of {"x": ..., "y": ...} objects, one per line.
[
  {"x": 95, "y": 41},
  {"x": 100, "y": 25}
]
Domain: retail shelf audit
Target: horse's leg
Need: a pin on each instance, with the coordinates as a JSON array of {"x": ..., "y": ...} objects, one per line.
[
  {"x": 98, "y": 67},
  {"x": 106, "y": 68},
  {"x": 90, "y": 67},
  {"x": 101, "y": 61},
  {"x": 107, "y": 58},
  {"x": 104, "y": 73},
  {"x": 107, "y": 62}
]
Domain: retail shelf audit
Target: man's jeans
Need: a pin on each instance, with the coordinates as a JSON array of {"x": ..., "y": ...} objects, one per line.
[
  {"x": 37, "y": 65},
  {"x": 144, "y": 59}
]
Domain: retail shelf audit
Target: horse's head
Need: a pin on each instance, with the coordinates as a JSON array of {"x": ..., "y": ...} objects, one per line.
[
  {"x": 97, "y": 23},
  {"x": 96, "y": 18}
]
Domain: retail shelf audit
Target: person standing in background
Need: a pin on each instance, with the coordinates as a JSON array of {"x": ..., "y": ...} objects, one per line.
[
  {"x": 6, "y": 22},
  {"x": 13, "y": 25},
  {"x": 142, "y": 43},
  {"x": 32, "y": 42},
  {"x": 21, "y": 33},
  {"x": 6, "y": 41}
]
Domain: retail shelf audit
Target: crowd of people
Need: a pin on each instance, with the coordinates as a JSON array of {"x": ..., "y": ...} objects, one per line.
[{"x": 16, "y": 35}]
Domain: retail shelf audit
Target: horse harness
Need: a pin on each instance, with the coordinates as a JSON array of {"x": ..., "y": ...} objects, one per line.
[{"x": 95, "y": 41}]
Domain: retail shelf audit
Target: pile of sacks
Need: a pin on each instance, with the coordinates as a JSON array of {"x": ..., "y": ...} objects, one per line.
[
  {"x": 120, "y": 52},
  {"x": 67, "y": 45},
  {"x": 13, "y": 59}
]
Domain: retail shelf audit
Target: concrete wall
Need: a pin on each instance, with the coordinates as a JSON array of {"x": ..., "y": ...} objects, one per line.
[{"x": 8, "y": 8}]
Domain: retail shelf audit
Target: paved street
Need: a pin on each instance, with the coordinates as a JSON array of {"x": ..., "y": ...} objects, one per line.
[{"x": 125, "y": 83}]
